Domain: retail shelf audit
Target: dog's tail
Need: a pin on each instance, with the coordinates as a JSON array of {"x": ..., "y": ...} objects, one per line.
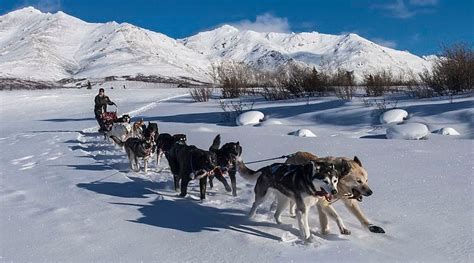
[
  {"x": 247, "y": 173},
  {"x": 215, "y": 144},
  {"x": 117, "y": 141}
]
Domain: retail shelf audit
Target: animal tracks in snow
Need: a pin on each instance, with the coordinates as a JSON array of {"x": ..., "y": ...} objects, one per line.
[{"x": 17, "y": 161}]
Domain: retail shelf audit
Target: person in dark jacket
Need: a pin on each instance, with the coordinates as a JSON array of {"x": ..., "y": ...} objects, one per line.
[{"x": 101, "y": 102}]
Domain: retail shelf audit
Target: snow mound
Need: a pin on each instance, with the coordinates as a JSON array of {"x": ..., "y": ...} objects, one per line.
[
  {"x": 249, "y": 117},
  {"x": 270, "y": 122},
  {"x": 448, "y": 131},
  {"x": 393, "y": 116},
  {"x": 408, "y": 131},
  {"x": 303, "y": 133}
]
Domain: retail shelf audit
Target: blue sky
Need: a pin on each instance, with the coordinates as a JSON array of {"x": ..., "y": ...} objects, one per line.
[{"x": 419, "y": 26}]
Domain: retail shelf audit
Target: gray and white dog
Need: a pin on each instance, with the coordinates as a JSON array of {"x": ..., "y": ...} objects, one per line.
[
  {"x": 298, "y": 183},
  {"x": 136, "y": 148}
]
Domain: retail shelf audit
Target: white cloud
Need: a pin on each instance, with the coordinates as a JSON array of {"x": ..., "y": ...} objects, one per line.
[
  {"x": 406, "y": 9},
  {"x": 44, "y": 5},
  {"x": 264, "y": 23},
  {"x": 49, "y": 5},
  {"x": 416, "y": 37},
  {"x": 397, "y": 9},
  {"x": 424, "y": 2},
  {"x": 385, "y": 42}
]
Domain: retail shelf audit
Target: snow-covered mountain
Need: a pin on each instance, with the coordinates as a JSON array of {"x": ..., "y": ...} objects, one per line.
[
  {"x": 45, "y": 46},
  {"x": 48, "y": 46},
  {"x": 269, "y": 50}
]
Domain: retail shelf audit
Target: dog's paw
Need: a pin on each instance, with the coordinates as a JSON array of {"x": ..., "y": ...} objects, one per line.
[
  {"x": 376, "y": 229},
  {"x": 325, "y": 231},
  {"x": 345, "y": 231},
  {"x": 278, "y": 221},
  {"x": 228, "y": 188},
  {"x": 234, "y": 193},
  {"x": 309, "y": 240}
]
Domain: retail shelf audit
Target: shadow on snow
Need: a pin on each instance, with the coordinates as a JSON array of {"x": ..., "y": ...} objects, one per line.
[{"x": 189, "y": 216}]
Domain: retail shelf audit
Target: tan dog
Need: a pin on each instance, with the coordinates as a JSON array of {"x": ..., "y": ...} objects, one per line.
[
  {"x": 351, "y": 188},
  {"x": 137, "y": 129}
]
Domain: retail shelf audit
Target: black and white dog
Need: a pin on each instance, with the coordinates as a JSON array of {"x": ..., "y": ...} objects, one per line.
[
  {"x": 227, "y": 157},
  {"x": 165, "y": 141},
  {"x": 123, "y": 119},
  {"x": 187, "y": 162},
  {"x": 136, "y": 148},
  {"x": 151, "y": 131},
  {"x": 298, "y": 183}
]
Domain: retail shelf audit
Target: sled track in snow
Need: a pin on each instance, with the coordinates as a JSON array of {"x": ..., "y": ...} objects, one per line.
[{"x": 104, "y": 147}]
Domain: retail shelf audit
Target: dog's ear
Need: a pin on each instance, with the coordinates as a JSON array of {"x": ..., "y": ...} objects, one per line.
[
  {"x": 215, "y": 144},
  {"x": 314, "y": 166},
  {"x": 357, "y": 161},
  {"x": 345, "y": 168}
]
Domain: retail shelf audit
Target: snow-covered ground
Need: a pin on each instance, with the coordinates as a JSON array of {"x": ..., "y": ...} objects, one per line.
[{"x": 62, "y": 197}]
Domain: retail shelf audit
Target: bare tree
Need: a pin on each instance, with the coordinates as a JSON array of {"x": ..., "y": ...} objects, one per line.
[
  {"x": 201, "y": 94},
  {"x": 453, "y": 71},
  {"x": 232, "y": 77},
  {"x": 344, "y": 82}
]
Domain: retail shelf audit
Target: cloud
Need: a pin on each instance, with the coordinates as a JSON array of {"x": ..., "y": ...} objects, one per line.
[
  {"x": 397, "y": 9},
  {"x": 424, "y": 2},
  {"x": 416, "y": 37},
  {"x": 400, "y": 9},
  {"x": 49, "y": 5},
  {"x": 308, "y": 26},
  {"x": 385, "y": 42},
  {"x": 264, "y": 23},
  {"x": 44, "y": 5}
]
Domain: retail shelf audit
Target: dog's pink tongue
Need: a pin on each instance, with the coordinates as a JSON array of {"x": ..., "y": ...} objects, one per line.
[{"x": 328, "y": 197}]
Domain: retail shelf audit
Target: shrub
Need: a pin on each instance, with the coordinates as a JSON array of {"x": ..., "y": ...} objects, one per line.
[
  {"x": 232, "y": 77},
  {"x": 379, "y": 83},
  {"x": 344, "y": 83},
  {"x": 232, "y": 109},
  {"x": 201, "y": 94},
  {"x": 452, "y": 72}
]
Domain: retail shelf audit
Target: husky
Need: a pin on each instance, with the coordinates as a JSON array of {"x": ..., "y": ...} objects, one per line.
[
  {"x": 165, "y": 141},
  {"x": 123, "y": 119},
  {"x": 187, "y": 162},
  {"x": 136, "y": 148},
  {"x": 227, "y": 157},
  {"x": 302, "y": 184},
  {"x": 121, "y": 130},
  {"x": 137, "y": 129},
  {"x": 151, "y": 131},
  {"x": 351, "y": 188}
]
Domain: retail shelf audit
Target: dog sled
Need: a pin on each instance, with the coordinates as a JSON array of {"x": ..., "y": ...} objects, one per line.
[{"x": 109, "y": 117}]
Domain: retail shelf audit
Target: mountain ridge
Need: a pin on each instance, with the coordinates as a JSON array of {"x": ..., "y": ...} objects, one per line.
[{"x": 46, "y": 46}]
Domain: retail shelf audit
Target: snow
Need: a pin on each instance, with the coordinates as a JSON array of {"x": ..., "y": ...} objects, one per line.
[
  {"x": 270, "y": 122},
  {"x": 408, "y": 131},
  {"x": 63, "y": 187},
  {"x": 393, "y": 116},
  {"x": 270, "y": 50},
  {"x": 249, "y": 118},
  {"x": 448, "y": 131},
  {"x": 304, "y": 133},
  {"x": 46, "y": 46}
]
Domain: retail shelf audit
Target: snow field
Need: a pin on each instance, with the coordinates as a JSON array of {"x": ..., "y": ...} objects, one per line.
[{"x": 64, "y": 187}]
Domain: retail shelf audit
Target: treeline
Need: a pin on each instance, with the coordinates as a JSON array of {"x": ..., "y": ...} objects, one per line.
[{"x": 452, "y": 73}]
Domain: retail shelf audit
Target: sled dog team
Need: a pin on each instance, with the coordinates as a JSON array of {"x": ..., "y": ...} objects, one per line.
[{"x": 303, "y": 181}]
